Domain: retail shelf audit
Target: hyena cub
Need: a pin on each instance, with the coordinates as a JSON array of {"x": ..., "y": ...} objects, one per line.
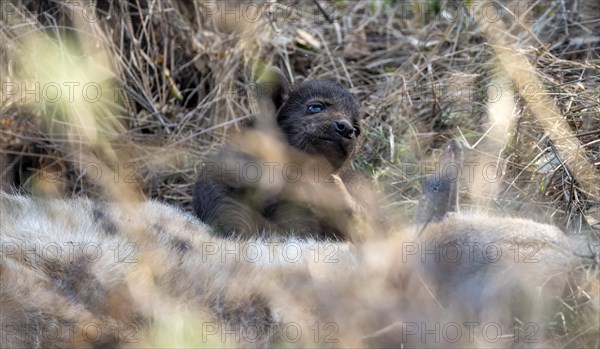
[{"x": 289, "y": 173}]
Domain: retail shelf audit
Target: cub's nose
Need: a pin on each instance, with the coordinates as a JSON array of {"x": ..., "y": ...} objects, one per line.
[{"x": 343, "y": 128}]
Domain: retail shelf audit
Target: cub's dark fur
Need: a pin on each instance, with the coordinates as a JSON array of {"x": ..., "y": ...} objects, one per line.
[{"x": 317, "y": 122}]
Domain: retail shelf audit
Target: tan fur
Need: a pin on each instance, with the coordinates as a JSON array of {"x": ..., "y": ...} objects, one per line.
[{"x": 159, "y": 271}]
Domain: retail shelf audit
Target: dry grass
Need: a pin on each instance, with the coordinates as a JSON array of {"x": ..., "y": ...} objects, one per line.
[
  {"x": 177, "y": 77},
  {"x": 183, "y": 76}
]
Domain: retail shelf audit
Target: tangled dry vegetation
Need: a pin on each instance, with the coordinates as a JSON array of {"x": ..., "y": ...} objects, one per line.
[
  {"x": 159, "y": 84},
  {"x": 176, "y": 77}
]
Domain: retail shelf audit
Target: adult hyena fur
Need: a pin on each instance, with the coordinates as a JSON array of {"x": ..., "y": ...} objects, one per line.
[
  {"x": 312, "y": 138},
  {"x": 82, "y": 274}
]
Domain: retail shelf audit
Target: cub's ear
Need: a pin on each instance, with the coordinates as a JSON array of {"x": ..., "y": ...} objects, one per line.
[
  {"x": 273, "y": 87},
  {"x": 440, "y": 191}
]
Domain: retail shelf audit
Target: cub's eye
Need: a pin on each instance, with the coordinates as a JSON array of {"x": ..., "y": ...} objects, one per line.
[
  {"x": 356, "y": 130},
  {"x": 315, "y": 108}
]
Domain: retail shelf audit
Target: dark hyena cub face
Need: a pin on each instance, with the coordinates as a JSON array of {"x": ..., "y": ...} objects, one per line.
[
  {"x": 317, "y": 118},
  {"x": 320, "y": 118}
]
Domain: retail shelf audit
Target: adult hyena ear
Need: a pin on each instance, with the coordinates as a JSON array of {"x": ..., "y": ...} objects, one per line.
[
  {"x": 273, "y": 87},
  {"x": 440, "y": 191}
]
